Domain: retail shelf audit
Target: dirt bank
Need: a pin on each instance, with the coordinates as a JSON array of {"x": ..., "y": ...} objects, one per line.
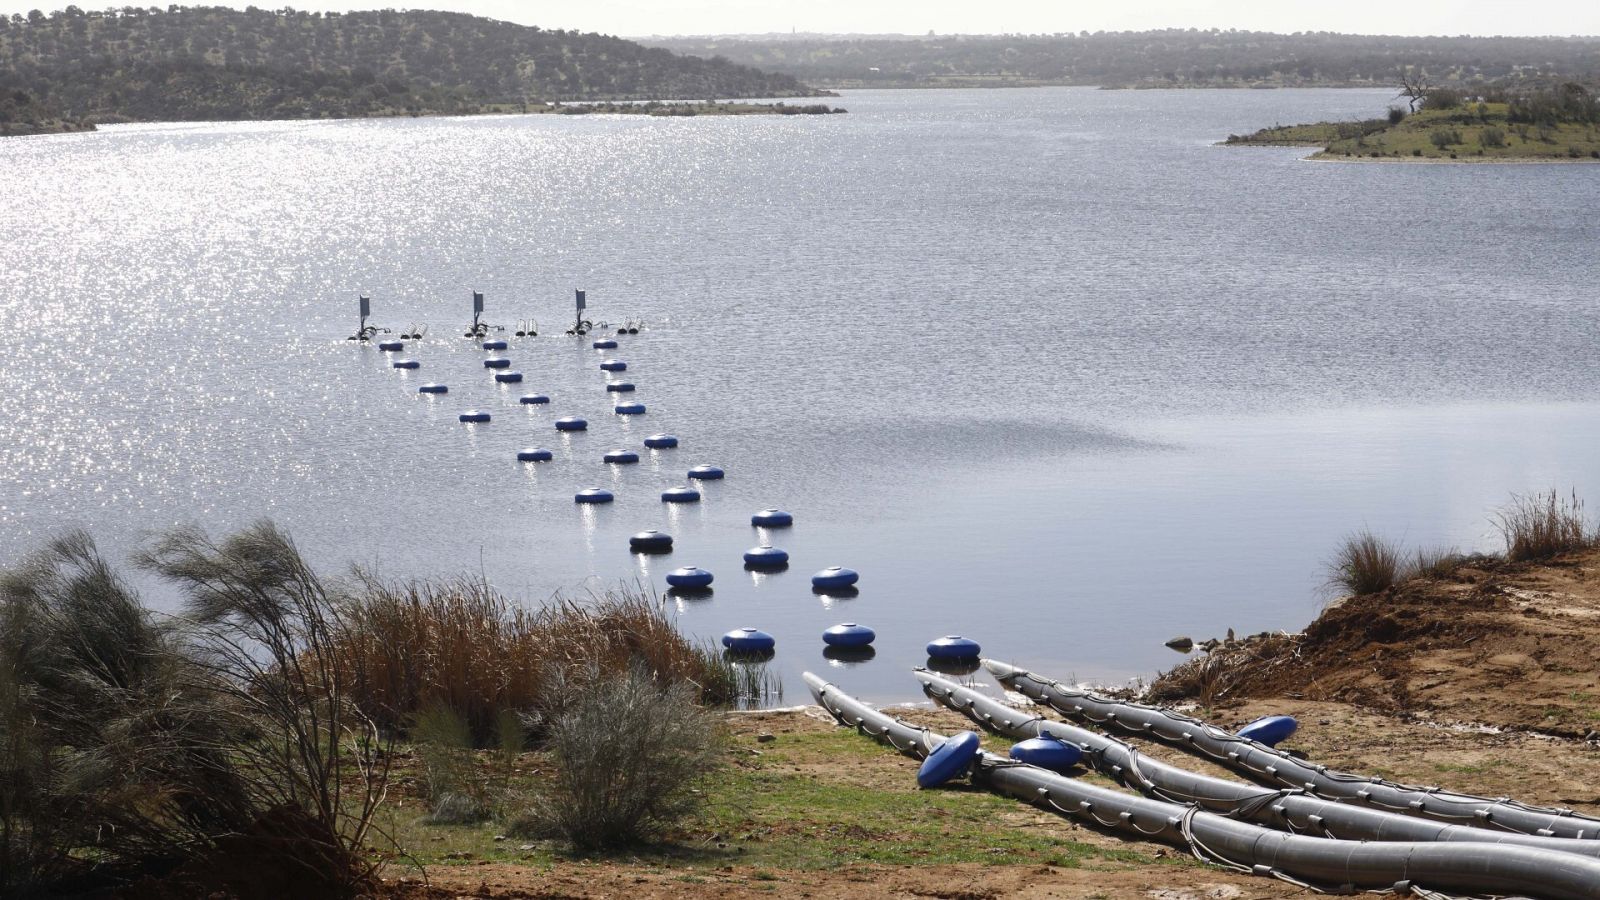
[{"x": 1500, "y": 644}]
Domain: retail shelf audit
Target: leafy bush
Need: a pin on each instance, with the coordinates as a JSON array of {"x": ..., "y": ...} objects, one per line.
[
  {"x": 1442, "y": 98},
  {"x": 456, "y": 796},
  {"x": 1444, "y": 137},
  {"x": 1492, "y": 138},
  {"x": 630, "y": 757},
  {"x": 1364, "y": 564},
  {"x": 1397, "y": 114},
  {"x": 1540, "y": 526},
  {"x": 132, "y": 747}
]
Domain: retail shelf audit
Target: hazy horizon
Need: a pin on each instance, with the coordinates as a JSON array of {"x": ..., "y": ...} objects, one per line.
[{"x": 672, "y": 18}]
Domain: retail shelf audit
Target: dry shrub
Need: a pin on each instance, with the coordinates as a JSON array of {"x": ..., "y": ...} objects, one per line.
[
  {"x": 1540, "y": 526},
  {"x": 1435, "y": 562},
  {"x": 461, "y": 645},
  {"x": 631, "y": 755},
  {"x": 1364, "y": 564}
]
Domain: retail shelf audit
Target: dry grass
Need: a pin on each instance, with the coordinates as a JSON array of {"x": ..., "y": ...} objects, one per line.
[
  {"x": 459, "y": 644},
  {"x": 1435, "y": 562},
  {"x": 1540, "y": 526},
  {"x": 1365, "y": 564}
]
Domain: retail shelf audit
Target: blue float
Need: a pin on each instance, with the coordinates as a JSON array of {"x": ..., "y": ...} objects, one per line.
[
  {"x": 497, "y": 362},
  {"x": 613, "y": 365},
  {"x": 705, "y": 473},
  {"x": 604, "y": 344},
  {"x": 619, "y": 387},
  {"x": 534, "y": 454},
  {"x": 953, "y": 646},
  {"x": 572, "y": 423},
  {"x": 772, "y": 518},
  {"x": 533, "y": 399},
  {"x": 407, "y": 364},
  {"x": 474, "y": 415},
  {"x": 1270, "y": 730},
  {"x": 621, "y": 456},
  {"x": 680, "y": 495},
  {"x": 835, "y": 577},
  {"x": 1047, "y": 752},
  {"x": 431, "y": 388},
  {"x": 508, "y": 377},
  {"x": 951, "y": 759},
  {"x": 391, "y": 346},
  {"x": 748, "y": 640},
  {"x": 766, "y": 557},
  {"x": 849, "y": 634},
  {"x": 661, "y": 441},
  {"x": 689, "y": 577},
  {"x": 593, "y": 495},
  {"x": 629, "y": 409},
  {"x": 494, "y": 345},
  {"x": 651, "y": 542}
]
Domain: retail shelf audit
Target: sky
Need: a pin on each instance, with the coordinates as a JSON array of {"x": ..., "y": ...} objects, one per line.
[{"x": 632, "y": 18}]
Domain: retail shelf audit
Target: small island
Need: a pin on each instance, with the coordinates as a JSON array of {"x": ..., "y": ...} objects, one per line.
[{"x": 1442, "y": 124}]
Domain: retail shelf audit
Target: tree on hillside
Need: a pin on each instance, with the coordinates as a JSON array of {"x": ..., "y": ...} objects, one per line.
[{"x": 1414, "y": 87}]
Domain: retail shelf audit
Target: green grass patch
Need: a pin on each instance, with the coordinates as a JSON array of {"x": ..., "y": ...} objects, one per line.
[
  {"x": 1469, "y": 768},
  {"x": 790, "y": 809}
]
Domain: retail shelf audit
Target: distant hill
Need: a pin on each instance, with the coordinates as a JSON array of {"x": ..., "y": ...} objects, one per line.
[
  {"x": 217, "y": 63},
  {"x": 1171, "y": 58}
]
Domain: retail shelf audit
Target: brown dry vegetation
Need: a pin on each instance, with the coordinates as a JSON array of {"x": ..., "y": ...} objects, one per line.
[{"x": 460, "y": 644}]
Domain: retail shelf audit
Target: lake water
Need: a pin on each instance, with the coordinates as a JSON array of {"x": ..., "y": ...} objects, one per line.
[{"x": 1048, "y": 368}]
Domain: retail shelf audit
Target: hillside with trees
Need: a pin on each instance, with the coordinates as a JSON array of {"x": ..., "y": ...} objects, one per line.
[
  {"x": 21, "y": 114},
  {"x": 202, "y": 63},
  {"x": 1171, "y": 58}
]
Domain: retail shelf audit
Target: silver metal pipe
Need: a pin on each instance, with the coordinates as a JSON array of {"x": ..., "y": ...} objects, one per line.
[
  {"x": 1285, "y": 809},
  {"x": 1400, "y": 865},
  {"x": 1268, "y": 766}
]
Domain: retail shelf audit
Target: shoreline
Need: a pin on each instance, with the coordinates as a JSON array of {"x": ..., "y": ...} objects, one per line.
[
  {"x": 1436, "y": 161},
  {"x": 659, "y": 109}
]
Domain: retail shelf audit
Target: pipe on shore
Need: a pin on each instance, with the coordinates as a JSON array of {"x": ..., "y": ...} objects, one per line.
[
  {"x": 1268, "y": 766},
  {"x": 1398, "y": 866},
  {"x": 1284, "y": 809}
]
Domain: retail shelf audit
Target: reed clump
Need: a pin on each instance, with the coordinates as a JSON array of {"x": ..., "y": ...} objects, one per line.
[
  {"x": 1364, "y": 564},
  {"x": 409, "y": 646},
  {"x": 1544, "y": 525}
]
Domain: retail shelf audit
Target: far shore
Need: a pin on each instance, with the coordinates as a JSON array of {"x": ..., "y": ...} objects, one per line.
[{"x": 1322, "y": 156}]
